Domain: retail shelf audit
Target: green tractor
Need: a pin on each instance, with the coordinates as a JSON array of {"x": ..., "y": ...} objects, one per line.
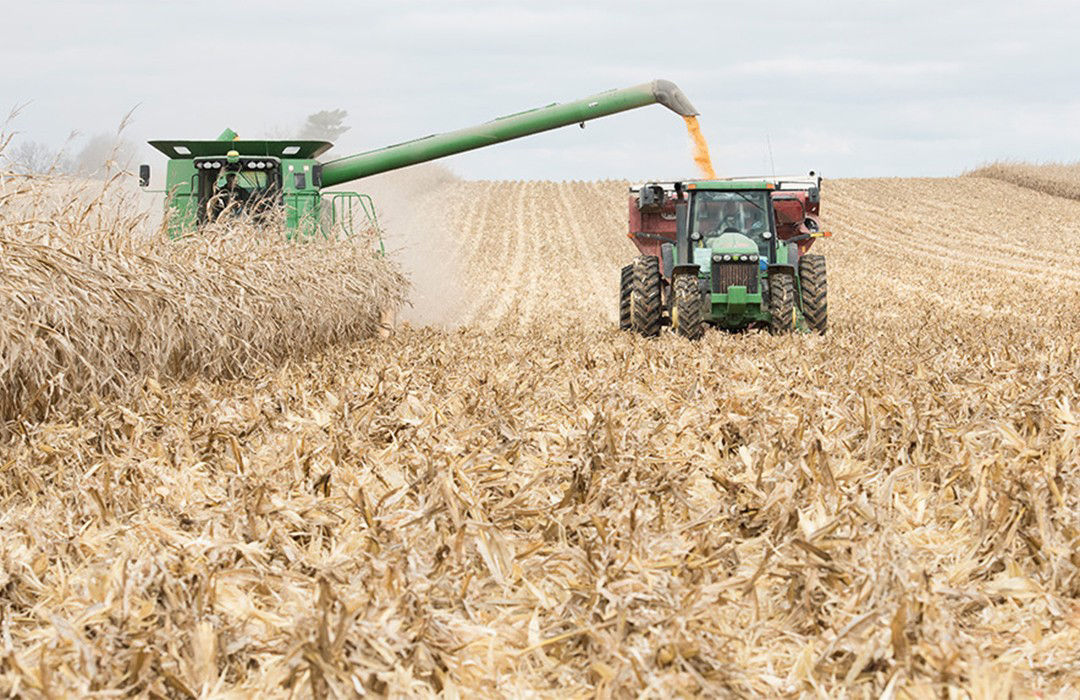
[{"x": 732, "y": 254}]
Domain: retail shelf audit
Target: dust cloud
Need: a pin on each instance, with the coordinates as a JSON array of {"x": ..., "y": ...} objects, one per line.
[{"x": 415, "y": 207}]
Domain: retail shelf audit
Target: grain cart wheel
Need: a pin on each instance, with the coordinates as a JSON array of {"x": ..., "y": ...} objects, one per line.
[
  {"x": 814, "y": 291},
  {"x": 686, "y": 307},
  {"x": 645, "y": 302},
  {"x": 626, "y": 291},
  {"x": 781, "y": 303}
]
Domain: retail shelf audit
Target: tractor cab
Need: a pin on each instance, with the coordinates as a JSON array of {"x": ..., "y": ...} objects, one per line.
[{"x": 735, "y": 225}]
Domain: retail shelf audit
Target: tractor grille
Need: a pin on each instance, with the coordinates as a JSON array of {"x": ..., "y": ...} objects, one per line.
[{"x": 727, "y": 274}]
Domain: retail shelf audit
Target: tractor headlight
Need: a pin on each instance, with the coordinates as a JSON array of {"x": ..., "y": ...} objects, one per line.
[
  {"x": 753, "y": 258},
  {"x": 716, "y": 258},
  {"x": 727, "y": 257}
]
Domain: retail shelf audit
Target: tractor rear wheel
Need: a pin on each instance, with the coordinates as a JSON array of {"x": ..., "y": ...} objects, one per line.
[
  {"x": 626, "y": 292},
  {"x": 686, "y": 307},
  {"x": 814, "y": 291},
  {"x": 646, "y": 304},
  {"x": 781, "y": 303}
]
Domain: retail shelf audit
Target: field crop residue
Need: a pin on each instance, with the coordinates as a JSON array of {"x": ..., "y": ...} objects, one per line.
[
  {"x": 1057, "y": 179},
  {"x": 531, "y": 501},
  {"x": 701, "y": 148}
]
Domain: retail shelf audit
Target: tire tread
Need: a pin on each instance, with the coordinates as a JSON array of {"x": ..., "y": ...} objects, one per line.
[
  {"x": 646, "y": 307},
  {"x": 814, "y": 286}
]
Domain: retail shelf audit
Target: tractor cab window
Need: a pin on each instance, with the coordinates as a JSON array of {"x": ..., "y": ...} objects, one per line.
[{"x": 743, "y": 211}]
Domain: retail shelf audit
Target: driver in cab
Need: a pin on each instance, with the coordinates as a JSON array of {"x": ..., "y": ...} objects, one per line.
[
  {"x": 742, "y": 217},
  {"x": 230, "y": 198}
]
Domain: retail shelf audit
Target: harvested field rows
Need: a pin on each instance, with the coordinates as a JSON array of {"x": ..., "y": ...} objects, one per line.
[{"x": 530, "y": 500}]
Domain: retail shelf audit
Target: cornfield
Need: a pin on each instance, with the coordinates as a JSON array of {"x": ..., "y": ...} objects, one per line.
[
  {"x": 1057, "y": 179},
  {"x": 519, "y": 499},
  {"x": 95, "y": 299}
]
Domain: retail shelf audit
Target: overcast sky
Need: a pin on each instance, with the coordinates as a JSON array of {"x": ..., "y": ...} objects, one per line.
[{"x": 847, "y": 88}]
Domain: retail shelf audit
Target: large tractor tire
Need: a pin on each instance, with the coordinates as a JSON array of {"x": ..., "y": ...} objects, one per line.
[
  {"x": 686, "y": 307},
  {"x": 646, "y": 304},
  {"x": 814, "y": 292},
  {"x": 781, "y": 304},
  {"x": 626, "y": 293}
]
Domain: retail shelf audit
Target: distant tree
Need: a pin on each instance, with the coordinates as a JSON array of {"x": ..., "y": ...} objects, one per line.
[
  {"x": 31, "y": 157},
  {"x": 34, "y": 157},
  {"x": 102, "y": 154},
  {"x": 326, "y": 125}
]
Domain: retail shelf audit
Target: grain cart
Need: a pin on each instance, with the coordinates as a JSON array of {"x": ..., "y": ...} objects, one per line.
[
  {"x": 730, "y": 253},
  {"x": 205, "y": 179}
]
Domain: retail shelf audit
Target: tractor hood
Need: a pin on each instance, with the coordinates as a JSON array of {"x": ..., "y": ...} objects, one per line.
[
  {"x": 724, "y": 244},
  {"x": 733, "y": 243}
]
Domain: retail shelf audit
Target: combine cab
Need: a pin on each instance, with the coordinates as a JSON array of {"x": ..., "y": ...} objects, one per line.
[
  {"x": 208, "y": 180},
  {"x": 732, "y": 254}
]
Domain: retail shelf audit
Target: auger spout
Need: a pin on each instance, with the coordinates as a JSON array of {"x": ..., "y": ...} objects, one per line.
[{"x": 506, "y": 128}]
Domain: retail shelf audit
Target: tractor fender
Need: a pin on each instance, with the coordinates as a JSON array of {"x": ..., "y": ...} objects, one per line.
[
  {"x": 684, "y": 269},
  {"x": 667, "y": 259},
  {"x": 782, "y": 269}
]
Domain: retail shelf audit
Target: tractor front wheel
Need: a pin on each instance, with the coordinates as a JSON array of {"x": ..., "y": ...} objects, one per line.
[
  {"x": 626, "y": 293},
  {"x": 781, "y": 304},
  {"x": 814, "y": 291},
  {"x": 646, "y": 304},
  {"x": 686, "y": 307}
]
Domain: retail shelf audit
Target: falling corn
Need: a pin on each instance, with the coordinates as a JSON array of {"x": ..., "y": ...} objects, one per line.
[{"x": 701, "y": 148}]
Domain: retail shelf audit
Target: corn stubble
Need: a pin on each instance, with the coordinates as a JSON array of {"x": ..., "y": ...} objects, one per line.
[{"x": 537, "y": 502}]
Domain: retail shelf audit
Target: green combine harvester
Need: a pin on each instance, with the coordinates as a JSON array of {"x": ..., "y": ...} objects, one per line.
[{"x": 206, "y": 180}]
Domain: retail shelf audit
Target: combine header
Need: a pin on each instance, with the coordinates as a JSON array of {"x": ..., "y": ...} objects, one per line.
[
  {"x": 729, "y": 253},
  {"x": 206, "y": 180}
]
